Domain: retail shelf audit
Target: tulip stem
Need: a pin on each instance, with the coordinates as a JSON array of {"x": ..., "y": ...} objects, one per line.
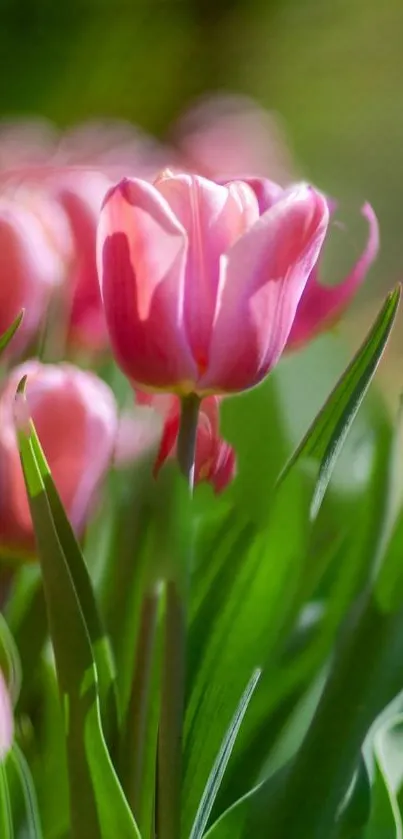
[
  {"x": 174, "y": 654},
  {"x": 187, "y": 437}
]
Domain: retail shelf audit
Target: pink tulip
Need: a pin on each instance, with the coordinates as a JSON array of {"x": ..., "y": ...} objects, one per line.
[
  {"x": 35, "y": 248},
  {"x": 75, "y": 416},
  {"x": 200, "y": 290},
  {"x": 228, "y": 135},
  {"x": 80, "y": 194},
  {"x": 215, "y": 459},
  {"x": 321, "y": 306},
  {"x": 76, "y": 169},
  {"x": 6, "y": 720}
]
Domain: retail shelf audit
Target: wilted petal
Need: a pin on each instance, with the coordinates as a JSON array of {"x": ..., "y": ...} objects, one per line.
[
  {"x": 320, "y": 306},
  {"x": 263, "y": 278},
  {"x": 141, "y": 264}
]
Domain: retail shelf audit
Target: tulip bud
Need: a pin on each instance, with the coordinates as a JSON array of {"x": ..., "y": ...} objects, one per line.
[{"x": 75, "y": 416}]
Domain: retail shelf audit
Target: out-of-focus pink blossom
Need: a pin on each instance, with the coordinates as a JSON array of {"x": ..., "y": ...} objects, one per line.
[
  {"x": 76, "y": 419},
  {"x": 321, "y": 306},
  {"x": 76, "y": 169},
  {"x": 200, "y": 289},
  {"x": 230, "y": 136},
  {"x": 6, "y": 720},
  {"x": 80, "y": 194},
  {"x": 35, "y": 250},
  {"x": 215, "y": 459}
]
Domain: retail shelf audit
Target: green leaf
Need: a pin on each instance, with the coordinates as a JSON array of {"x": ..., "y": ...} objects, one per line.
[
  {"x": 231, "y": 823},
  {"x": 83, "y": 587},
  {"x": 7, "y": 336},
  {"x": 385, "y": 819},
  {"x": 21, "y": 784},
  {"x": 355, "y": 810},
  {"x": 98, "y": 807},
  {"x": 9, "y": 660},
  {"x": 6, "y": 817},
  {"x": 364, "y": 677},
  {"x": 220, "y": 764},
  {"x": 245, "y": 591},
  {"x": 326, "y": 435}
]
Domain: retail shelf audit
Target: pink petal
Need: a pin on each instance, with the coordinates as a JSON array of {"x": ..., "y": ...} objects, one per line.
[
  {"x": 141, "y": 250},
  {"x": 267, "y": 192},
  {"x": 320, "y": 305},
  {"x": 262, "y": 281},
  {"x": 214, "y": 217}
]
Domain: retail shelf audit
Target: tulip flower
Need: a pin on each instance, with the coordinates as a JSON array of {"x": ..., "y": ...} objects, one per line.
[
  {"x": 6, "y": 719},
  {"x": 80, "y": 194},
  {"x": 215, "y": 459},
  {"x": 321, "y": 306},
  {"x": 34, "y": 254},
  {"x": 76, "y": 420},
  {"x": 200, "y": 289},
  {"x": 228, "y": 135},
  {"x": 75, "y": 170}
]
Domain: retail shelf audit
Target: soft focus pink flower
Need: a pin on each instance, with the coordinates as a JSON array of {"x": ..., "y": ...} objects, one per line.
[
  {"x": 228, "y": 135},
  {"x": 6, "y": 719},
  {"x": 215, "y": 459},
  {"x": 76, "y": 169},
  {"x": 35, "y": 248},
  {"x": 75, "y": 416},
  {"x": 80, "y": 194},
  {"x": 200, "y": 289},
  {"x": 321, "y": 306}
]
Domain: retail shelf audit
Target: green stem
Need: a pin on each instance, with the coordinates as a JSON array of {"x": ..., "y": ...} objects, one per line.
[
  {"x": 187, "y": 437},
  {"x": 174, "y": 652}
]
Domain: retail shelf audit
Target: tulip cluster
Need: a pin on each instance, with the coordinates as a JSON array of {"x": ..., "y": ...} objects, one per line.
[{"x": 196, "y": 281}]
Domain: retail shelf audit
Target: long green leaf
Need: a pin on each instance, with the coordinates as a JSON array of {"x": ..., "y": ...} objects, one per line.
[
  {"x": 23, "y": 788},
  {"x": 326, "y": 435},
  {"x": 6, "y": 817},
  {"x": 386, "y": 820},
  {"x": 95, "y": 793},
  {"x": 85, "y": 593},
  {"x": 220, "y": 764},
  {"x": 246, "y": 603},
  {"x": 7, "y": 336}
]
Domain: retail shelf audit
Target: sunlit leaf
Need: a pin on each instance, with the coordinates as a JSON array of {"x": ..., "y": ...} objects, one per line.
[{"x": 328, "y": 431}]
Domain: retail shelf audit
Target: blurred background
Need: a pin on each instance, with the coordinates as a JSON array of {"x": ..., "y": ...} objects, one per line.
[{"x": 330, "y": 70}]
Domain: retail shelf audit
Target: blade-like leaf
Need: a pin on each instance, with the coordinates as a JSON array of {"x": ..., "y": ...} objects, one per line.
[
  {"x": 22, "y": 785},
  {"x": 328, "y": 432},
  {"x": 386, "y": 820},
  {"x": 220, "y": 764},
  {"x": 98, "y": 807},
  {"x": 85, "y": 593},
  {"x": 7, "y": 336},
  {"x": 249, "y": 583},
  {"x": 6, "y": 817}
]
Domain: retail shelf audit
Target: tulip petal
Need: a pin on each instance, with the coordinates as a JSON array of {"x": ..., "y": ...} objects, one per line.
[
  {"x": 214, "y": 217},
  {"x": 141, "y": 253},
  {"x": 263, "y": 278},
  {"x": 320, "y": 305}
]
